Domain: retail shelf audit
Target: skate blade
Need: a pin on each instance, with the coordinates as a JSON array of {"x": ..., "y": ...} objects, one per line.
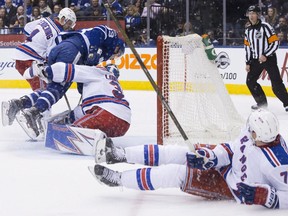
[
  {"x": 100, "y": 155},
  {"x": 91, "y": 170},
  {"x": 4, "y": 111},
  {"x": 23, "y": 123}
]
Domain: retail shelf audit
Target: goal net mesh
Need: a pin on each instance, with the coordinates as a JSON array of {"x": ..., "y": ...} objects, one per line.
[{"x": 195, "y": 92}]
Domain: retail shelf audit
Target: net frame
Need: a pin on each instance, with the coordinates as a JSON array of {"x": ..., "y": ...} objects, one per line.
[{"x": 200, "y": 84}]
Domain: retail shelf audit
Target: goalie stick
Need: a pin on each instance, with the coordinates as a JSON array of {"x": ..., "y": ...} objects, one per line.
[{"x": 153, "y": 83}]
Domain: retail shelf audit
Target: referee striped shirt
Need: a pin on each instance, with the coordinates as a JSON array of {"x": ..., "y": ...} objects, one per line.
[{"x": 260, "y": 39}]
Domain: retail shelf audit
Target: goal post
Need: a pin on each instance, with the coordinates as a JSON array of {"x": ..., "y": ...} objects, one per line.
[{"x": 195, "y": 92}]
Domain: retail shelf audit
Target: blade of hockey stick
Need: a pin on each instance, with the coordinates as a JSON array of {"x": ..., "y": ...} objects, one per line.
[{"x": 150, "y": 78}]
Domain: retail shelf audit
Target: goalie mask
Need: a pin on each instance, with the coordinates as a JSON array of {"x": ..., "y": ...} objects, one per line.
[
  {"x": 113, "y": 69},
  {"x": 69, "y": 15},
  {"x": 264, "y": 124}
]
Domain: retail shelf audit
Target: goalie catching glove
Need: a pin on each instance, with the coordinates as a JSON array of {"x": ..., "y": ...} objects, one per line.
[
  {"x": 258, "y": 194},
  {"x": 202, "y": 159}
]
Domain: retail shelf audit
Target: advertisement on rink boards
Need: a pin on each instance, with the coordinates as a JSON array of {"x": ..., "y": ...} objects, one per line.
[{"x": 231, "y": 69}]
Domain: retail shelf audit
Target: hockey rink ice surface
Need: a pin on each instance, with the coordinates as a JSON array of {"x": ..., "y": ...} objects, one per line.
[{"x": 37, "y": 181}]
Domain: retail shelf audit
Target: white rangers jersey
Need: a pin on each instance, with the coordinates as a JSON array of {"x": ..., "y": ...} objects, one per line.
[
  {"x": 41, "y": 38},
  {"x": 251, "y": 164},
  {"x": 101, "y": 88}
]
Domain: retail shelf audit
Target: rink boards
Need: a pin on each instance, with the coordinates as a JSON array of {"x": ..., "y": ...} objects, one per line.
[{"x": 232, "y": 70}]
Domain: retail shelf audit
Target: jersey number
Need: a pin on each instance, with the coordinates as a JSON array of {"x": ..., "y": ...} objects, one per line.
[
  {"x": 33, "y": 33},
  {"x": 117, "y": 92},
  {"x": 284, "y": 174}
]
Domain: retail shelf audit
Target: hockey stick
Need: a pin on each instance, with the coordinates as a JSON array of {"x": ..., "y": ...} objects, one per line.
[
  {"x": 145, "y": 70},
  {"x": 67, "y": 102}
]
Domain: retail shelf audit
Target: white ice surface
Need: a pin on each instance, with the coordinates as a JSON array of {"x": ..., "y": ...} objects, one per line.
[{"x": 37, "y": 181}]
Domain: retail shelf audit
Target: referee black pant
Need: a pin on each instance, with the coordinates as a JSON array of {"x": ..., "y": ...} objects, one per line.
[{"x": 277, "y": 83}]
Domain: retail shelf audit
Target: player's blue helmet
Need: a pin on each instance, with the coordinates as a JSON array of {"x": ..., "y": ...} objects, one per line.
[
  {"x": 113, "y": 69},
  {"x": 118, "y": 49},
  {"x": 121, "y": 46}
]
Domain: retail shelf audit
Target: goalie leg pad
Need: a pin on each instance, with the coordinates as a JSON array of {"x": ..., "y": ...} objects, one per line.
[{"x": 71, "y": 139}]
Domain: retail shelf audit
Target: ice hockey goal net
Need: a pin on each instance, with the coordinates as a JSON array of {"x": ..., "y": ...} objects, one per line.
[{"x": 195, "y": 92}]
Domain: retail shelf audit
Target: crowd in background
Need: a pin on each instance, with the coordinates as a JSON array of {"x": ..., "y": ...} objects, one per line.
[{"x": 167, "y": 17}]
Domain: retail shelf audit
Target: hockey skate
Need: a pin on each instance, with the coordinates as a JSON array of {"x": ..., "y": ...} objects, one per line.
[
  {"x": 30, "y": 121},
  {"x": 106, "y": 176},
  {"x": 9, "y": 111},
  {"x": 256, "y": 106},
  {"x": 107, "y": 152}
]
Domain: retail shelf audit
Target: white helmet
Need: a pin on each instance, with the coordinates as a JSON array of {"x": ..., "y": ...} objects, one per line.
[
  {"x": 264, "y": 124},
  {"x": 69, "y": 15}
]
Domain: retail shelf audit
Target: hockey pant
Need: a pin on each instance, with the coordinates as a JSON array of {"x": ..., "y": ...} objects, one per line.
[
  {"x": 98, "y": 118},
  {"x": 21, "y": 66},
  {"x": 175, "y": 173}
]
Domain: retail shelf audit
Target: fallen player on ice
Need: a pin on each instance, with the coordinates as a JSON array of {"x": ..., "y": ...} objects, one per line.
[{"x": 252, "y": 169}]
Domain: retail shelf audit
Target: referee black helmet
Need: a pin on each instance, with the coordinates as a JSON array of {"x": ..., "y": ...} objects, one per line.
[{"x": 253, "y": 8}]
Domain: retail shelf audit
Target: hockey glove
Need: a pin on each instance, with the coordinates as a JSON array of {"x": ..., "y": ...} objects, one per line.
[
  {"x": 36, "y": 70},
  {"x": 94, "y": 57},
  {"x": 202, "y": 159},
  {"x": 209, "y": 48},
  {"x": 258, "y": 194}
]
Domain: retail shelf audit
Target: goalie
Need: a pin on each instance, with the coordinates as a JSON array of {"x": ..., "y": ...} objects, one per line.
[
  {"x": 103, "y": 107},
  {"x": 251, "y": 170}
]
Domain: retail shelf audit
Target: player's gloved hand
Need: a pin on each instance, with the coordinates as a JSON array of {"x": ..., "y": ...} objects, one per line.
[
  {"x": 36, "y": 69},
  {"x": 209, "y": 48},
  {"x": 94, "y": 57},
  {"x": 202, "y": 159},
  {"x": 258, "y": 194}
]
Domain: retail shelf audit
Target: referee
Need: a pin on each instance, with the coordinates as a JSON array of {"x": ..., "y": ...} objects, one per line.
[{"x": 260, "y": 45}]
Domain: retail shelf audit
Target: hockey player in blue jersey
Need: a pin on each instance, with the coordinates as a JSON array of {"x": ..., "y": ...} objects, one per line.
[
  {"x": 252, "y": 169},
  {"x": 87, "y": 46}
]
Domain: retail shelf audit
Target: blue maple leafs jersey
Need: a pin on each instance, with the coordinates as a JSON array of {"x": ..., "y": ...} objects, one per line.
[{"x": 100, "y": 39}]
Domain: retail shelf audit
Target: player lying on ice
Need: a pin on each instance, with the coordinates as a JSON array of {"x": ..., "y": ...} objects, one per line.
[
  {"x": 103, "y": 107},
  {"x": 251, "y": 170}
]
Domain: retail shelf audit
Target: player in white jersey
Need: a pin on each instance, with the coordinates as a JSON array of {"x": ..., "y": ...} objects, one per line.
[
  {"x": 41, "y": 38},
  {"x": 253, "y": 169},
  {"x": 103, "y": 107}
]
